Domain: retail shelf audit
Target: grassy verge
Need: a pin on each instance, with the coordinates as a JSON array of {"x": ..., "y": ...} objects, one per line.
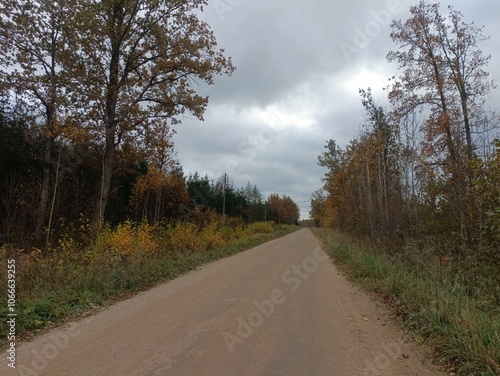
[
  {"x": 434, "y": 301},
  {"x": 71, "y": 281}
]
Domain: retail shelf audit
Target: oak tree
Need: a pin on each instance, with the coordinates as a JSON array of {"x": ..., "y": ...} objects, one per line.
[{"x": 139, "y": 65}]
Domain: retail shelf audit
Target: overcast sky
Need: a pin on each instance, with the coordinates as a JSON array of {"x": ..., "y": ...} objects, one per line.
[{"x": 299, "y": 67}]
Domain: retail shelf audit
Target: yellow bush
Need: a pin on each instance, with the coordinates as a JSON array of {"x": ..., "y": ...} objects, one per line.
[
  {"x": 241, "y": 231},
  {"x": 184, "y": 237},
  {"x": 102, "y": 246},
  {"x": 124, "y": 243},
  {"x": 227, "y": 233},
  {"x": 145, "y": 237},
  {"x": 123, "y": 238},
  {"x": 260, "y": 227},
  {"x": 188, "y": 237},
  {"x": 211, "y": 236}
]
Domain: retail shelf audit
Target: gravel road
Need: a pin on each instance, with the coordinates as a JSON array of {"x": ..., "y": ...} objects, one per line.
[{"x": 281, "y": 308}]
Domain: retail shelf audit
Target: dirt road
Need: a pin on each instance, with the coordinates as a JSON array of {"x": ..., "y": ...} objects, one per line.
[{"x": 278, "y": 309}]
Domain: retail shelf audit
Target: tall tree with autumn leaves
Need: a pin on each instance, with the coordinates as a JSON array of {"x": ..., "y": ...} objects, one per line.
[{"x": 138, "y": 61}]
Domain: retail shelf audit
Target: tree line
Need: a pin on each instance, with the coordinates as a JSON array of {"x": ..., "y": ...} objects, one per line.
[
  {"x": 427, "y": 167},
  {"x": 89, "y": 94},
  {"x": 108, "y": 77},
  {"x": 246, "y": 202},
  {"x": 140, "y": 191}
]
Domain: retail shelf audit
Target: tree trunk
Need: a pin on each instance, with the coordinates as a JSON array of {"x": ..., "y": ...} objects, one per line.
[
  {"x": 369, "y": 202},
  {"x": 107, "y": 174},
  {"x": 457, "y": 168},
  {"x": 110, "y": 123},
  {"x": 466, "y": 118},
  {"x": 380, "y": 199},
  {"x": 45, "y": 186}
]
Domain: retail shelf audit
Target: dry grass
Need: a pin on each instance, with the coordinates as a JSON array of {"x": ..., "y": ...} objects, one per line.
[{"x": 440, "y": 304}]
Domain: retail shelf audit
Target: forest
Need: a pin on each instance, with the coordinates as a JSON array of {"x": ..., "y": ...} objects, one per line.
[
  {"x": 90, "y": 95},
  {"x": 426, "y": 167}
]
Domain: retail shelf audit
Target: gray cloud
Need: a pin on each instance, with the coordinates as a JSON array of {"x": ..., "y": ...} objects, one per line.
[{"x": 296, "y": 87}]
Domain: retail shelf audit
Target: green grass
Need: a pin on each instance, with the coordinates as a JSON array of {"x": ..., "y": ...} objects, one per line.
[
  {"x": 48, "y": 303},
  {"x": 439, "y": 305}
]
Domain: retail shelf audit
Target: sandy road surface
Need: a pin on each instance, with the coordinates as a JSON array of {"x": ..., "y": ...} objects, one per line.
[{"x": 278, "y": 309}]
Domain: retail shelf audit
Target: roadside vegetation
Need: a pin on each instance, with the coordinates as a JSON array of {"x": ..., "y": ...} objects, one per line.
[
  {"x": 421, "y": 186},
  {"x": 455, "y": 314},
  {"x": 94, "y": 204},
  {"x": 74, "y": 279}
]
